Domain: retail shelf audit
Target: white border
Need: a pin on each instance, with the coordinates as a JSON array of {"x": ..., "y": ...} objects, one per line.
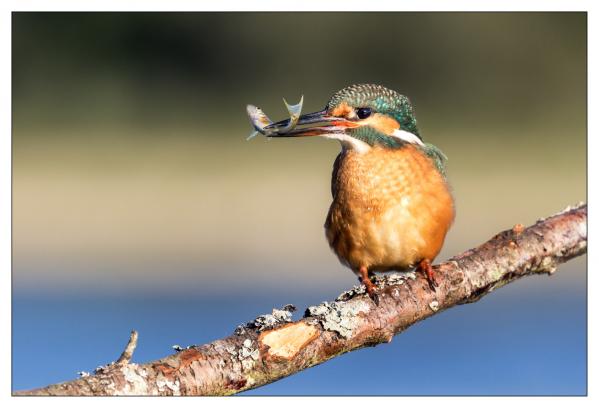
[{"x": 331, "y": 5}]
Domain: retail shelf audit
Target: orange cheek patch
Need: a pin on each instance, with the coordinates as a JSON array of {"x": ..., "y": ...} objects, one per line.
[
  {"x": 382, "y": 123},
  {"x": 342, "y": 110}
]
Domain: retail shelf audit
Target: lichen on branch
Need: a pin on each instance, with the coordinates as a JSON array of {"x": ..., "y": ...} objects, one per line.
[{"x": 273, "y": 346}]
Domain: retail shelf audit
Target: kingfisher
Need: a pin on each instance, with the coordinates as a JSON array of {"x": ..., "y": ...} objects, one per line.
[{"x": 392, "y": 204}]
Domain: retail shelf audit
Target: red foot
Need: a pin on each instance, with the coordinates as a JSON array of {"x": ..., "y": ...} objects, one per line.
[
  {"x": 370, "y": 287},
  {"x": 427, "y": 270}
]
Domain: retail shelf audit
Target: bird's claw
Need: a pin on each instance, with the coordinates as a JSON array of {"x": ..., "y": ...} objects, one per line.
[
  {"x": 432, "y": 283},
  {"x": 427, "y": 270},
  {"x": 370, "y": 287},
  {"x": 371, "y": 291},
  {"x": 375, "y": 297}
]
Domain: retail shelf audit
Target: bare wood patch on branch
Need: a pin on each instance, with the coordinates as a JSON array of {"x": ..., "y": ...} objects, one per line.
[{"x": 273, "y": 347}]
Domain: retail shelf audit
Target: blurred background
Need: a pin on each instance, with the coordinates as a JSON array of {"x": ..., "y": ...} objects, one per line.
[{"x": 138, "y": 203}]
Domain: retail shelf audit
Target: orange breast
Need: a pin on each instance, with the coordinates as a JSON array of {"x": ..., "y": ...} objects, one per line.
[{"x": 391, "y": 208}]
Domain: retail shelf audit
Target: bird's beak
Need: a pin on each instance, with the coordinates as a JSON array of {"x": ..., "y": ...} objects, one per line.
[{"x": 310, "y": 124}]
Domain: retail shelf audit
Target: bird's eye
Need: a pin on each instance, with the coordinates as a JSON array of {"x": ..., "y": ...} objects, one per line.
[{"x": 363, "y": 113}]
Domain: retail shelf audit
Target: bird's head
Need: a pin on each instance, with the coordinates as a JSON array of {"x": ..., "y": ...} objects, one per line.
[{"x": 360, "y": 116}]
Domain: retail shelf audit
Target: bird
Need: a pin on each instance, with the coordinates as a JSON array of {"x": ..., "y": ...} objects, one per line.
[{"x": 392, "y": 204}]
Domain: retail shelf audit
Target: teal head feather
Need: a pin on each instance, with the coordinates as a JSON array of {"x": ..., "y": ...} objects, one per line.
[
  {"x": 386, "y": 102},
  {"x": 379, "y": 99}
]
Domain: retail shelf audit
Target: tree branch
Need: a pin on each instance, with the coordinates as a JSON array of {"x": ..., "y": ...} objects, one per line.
[
  {"x": 125, "y": 357},
  {"x": 272, "y": 346}
]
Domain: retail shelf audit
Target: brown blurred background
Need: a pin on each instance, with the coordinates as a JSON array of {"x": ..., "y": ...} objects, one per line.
[{"x": 129, "y": 134}]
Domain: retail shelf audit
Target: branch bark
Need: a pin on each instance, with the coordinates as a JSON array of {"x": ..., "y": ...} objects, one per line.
[{"x": 272, "y": 346}]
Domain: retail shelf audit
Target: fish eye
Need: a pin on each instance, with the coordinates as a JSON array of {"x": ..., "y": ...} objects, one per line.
[{"x": 363, "y": 113}]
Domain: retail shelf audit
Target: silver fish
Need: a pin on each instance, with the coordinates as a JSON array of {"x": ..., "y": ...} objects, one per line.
[
  {"x": 259, "y": 121},
  {"x": 294, "y": 114}
]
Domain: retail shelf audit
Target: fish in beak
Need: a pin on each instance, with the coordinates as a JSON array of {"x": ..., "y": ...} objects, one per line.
[{"x": 311, "y": 124}]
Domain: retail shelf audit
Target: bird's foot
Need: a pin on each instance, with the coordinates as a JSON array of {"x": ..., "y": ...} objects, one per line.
[
  {"x": 370, "y": 287},
  {"x": 426, "y": 269}
]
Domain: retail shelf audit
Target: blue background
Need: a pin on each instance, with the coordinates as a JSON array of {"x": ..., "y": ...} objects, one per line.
[{"x": 527, "y": 338}]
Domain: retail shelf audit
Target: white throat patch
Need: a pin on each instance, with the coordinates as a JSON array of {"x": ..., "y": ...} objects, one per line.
[{"x": 349, "y": 142}]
